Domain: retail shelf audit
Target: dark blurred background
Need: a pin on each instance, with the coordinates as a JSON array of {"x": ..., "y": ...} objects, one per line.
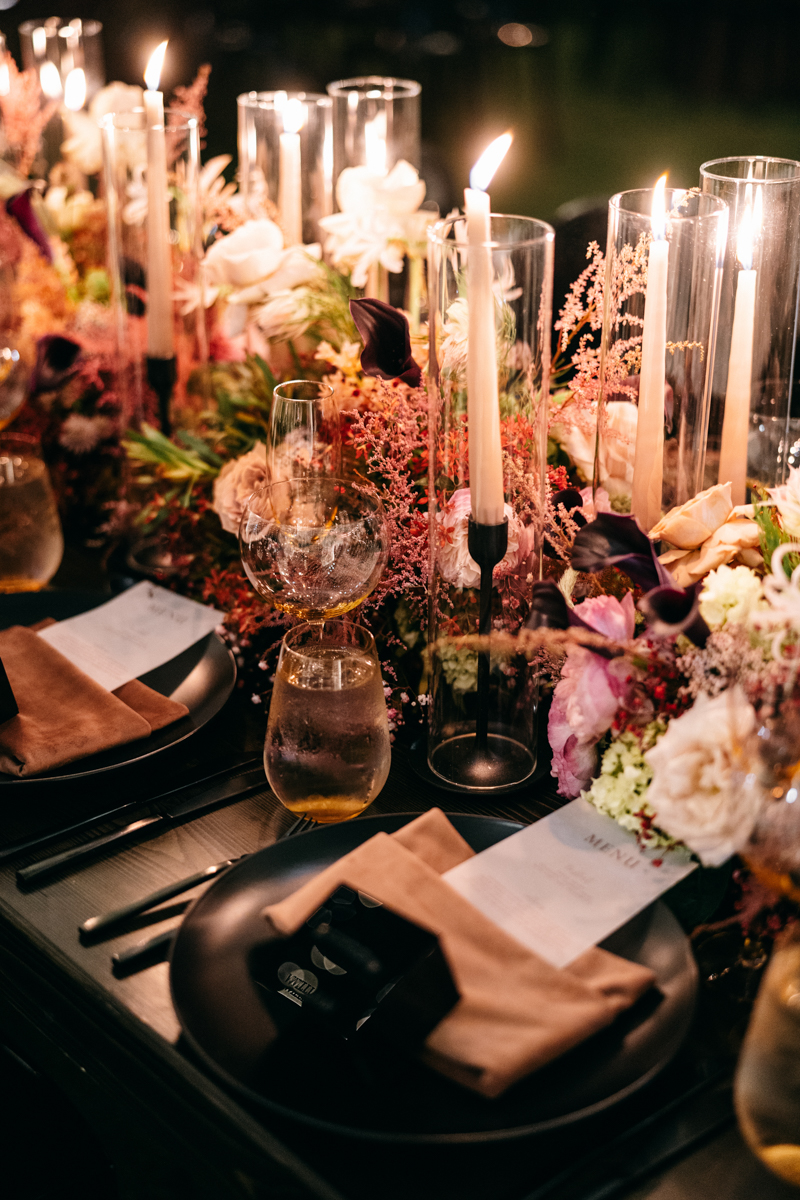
[{"x": 601, "y": 96}]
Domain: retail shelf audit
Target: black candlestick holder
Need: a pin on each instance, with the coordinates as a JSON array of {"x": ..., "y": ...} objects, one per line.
[
  {"x": 161, "y": 375},
  {"x": 490, "y": 759}
]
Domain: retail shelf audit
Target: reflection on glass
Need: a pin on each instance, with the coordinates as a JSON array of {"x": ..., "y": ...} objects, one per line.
[
  {"x": 304, "y": 432},
  {"x": 31, "y": 543}
]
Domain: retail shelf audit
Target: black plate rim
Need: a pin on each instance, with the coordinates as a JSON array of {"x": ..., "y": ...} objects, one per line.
[
  {"x": 515, "y": 1133},
  {"x": 59, "y": 780}
]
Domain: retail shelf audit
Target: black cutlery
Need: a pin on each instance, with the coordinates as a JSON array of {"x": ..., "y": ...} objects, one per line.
[
  {"x": 56, "y": 835},
  {"x": 186, "y": 802}
]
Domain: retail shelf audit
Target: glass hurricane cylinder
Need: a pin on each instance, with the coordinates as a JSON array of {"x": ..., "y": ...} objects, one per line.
[
  {"x": 515, "y": 271},
  {"x": 661, "y": 297},
  {"x": 126, "y": 193},
  {"x": 749, "y": 438},
  {"x": 286, "y": 159},
  {"x": 70, "y": 46},
  {"x": 375, "y": 122}
]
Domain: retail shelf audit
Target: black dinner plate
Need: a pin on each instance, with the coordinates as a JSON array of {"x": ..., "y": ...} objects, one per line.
[
  {"x": 393, "y": 1099},
  {"x": 202, "y": 678}
]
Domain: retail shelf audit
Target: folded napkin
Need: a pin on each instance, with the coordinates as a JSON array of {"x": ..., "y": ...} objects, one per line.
[
  {"x": 63, "y": 714},
  {"x": 516, "y": 1012}
]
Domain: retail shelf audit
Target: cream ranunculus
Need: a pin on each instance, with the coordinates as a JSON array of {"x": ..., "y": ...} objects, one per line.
[
  {"x": 694, "y": 791},
  {"x": 235, "y": 482},
  {"x": 738, "y": 538},
  {"x": 689, "y": 525},
  {"x": 787, "y": 499},
  {"x": 729, "y": 596},
  {"x": 456, "y": 564},
  {"x": 247, "y": 255}
]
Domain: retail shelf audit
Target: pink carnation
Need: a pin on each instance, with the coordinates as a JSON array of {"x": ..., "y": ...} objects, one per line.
[{"x": 587, "y": 695}]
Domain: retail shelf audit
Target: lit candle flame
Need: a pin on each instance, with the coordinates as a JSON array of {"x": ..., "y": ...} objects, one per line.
[
  {"x": 659, "y": 211},
  {"x": 50, "y": 80},
  {"x": 749, "y": 229},
  {"x": 75, "y": 89},
  {"x": 482, "y": 173},
  {"x": 152, "y": 74},
  {"x": 293, "y": 116}
]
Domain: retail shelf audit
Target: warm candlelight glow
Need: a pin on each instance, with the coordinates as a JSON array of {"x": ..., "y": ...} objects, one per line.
[
  {"x": 280, "y": 100},
  {"x": 482, "y": 173},
  {"x": 5, "y": 79},
  {"x": 293, "y": 116},
  {"x": 75, "y": 89},
  {"x": 659, "y": 210},
  {"x": 152, "y": 74},
  {"x": 39, "y": 41},
  {"x": 749, "y": 229},
  {"x": 375, "y": 143},
  {"x": 50, "y": 80}
]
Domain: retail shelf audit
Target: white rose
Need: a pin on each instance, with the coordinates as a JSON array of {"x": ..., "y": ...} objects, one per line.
[
  {"x": 247, "y": 255},
  {"x": 456, "y": 564},
  {"x": 787, "y": 498},
  {"x": 236, "y": 481},
  {"x": 84, "y": 145},
  {"x": 694, "y": 791},
  {"x": 294, "y": 267},
  {"x": 362, "y": 190}
]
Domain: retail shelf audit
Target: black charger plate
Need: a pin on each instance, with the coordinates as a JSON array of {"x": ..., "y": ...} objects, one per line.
[
  {"x": 202, "y": 678},
  {"x": 327, "y": 1086}
]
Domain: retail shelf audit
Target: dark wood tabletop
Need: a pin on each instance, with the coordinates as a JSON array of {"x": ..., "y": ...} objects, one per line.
[{"x": 113, "y": 1045}]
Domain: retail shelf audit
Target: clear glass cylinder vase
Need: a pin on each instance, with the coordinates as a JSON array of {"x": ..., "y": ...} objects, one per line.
[
  {"x": 130, "y": 256},
  {"x": 375, "y": 122},
  {"x": 286, "y": 160},
  {"x": 660, "y": 307},
  {"x": 509, "y": 279},
  {"x": 749, "y": 436}
]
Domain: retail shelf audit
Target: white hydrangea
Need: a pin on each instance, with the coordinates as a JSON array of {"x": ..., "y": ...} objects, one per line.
[
  {"x": 620, "y": 790},
  {"x": 729, "y": 596}
]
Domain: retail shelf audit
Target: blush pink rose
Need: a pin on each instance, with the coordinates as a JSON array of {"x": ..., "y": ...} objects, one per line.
[
  {"x": 454, "y": 559},
  {"x": 587, "y": 695},
  {"x": 236, "y": 481}
]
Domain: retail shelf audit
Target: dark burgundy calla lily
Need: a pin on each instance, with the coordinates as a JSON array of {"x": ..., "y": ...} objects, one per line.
[
  {"x": 671, "y": 610},
  {"x": 56, "y": 359},
  {"x": 612, "y": 540},
  {"x": 21, "y": 209},
  {"x": 387, "y": 341},
  {"x": 548, "y": 607}
]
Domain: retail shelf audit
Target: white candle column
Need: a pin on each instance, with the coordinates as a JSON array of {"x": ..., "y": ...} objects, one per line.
[
  {"x": 160, "y": 337},
  {"x": 648, "y": 466},
  {"x": 483, "y": 403},
  {"x": 736, "y": 421},
  {"x": 290, "y": 184}
]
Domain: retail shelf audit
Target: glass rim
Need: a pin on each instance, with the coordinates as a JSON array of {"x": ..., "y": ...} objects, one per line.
[
  {"x": 748, "y": 158},
  {"x": 108, "y": 122},
  {"x": 25, "y": 439},
  {"x": 391, "y": 87},
  {"x": 368, "y": 638},
  {"x": 718, "y": 205},
  {"x": 89, "y": 27},
  {"x": 266, "y": 100},
  {"x": 324, "y": 390},
  {"x": 438, "y": 230}
]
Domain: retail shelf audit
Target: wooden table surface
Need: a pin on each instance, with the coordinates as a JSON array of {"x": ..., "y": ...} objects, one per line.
[{"x": 113, "y": 1045}]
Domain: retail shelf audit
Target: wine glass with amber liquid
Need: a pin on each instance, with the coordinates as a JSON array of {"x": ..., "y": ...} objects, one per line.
[
  {"x": 31, "y": 542},
  {"x": 314, "y": 547}
]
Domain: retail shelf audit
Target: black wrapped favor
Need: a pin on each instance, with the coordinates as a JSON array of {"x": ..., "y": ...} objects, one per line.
[{"x": 355, "y": 962}]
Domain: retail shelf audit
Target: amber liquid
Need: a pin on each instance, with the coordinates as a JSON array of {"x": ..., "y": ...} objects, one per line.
[
  {"x": 327, "y": 750},
  {"x": 31, "y": 543}
]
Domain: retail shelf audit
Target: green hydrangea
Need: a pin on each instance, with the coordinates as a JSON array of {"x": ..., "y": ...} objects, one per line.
[{"x": 620, "y": 790}]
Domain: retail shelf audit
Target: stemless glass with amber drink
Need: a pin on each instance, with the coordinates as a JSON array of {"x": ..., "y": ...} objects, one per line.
[
  {"x": 31, "y": 542},
  {"x": 327, "y": 750}
]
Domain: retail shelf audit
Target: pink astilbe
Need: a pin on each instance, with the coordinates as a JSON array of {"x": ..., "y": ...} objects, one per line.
[
  {"x": 392, "y": 443},
  {"x": 24, "y": 118},
  {"x": 187, "y": 102}
]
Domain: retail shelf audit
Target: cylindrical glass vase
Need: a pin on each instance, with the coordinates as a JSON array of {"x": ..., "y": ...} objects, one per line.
[
  {"x": 126, "y": 192},
  {"x": 750, "y": 408},
  {"x": 286, "y": 160},
  {"x": 509, "y": 279},
  {"x": 661, "y": 300},
  {"x": 375, "y": 122},
  {"x": 67, "y": 46}
]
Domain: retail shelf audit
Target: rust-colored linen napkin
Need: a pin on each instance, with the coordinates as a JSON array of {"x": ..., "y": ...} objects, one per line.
[
  {"x": 63, "y": 714},
  {"x": 159, "y": 711},
  {"x": 516, "y": 1012}
]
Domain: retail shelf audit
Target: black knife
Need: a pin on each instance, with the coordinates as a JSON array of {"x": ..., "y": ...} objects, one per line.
[
  {"x": 57, "y": 835},
  {"x": 188, "y": 802}
]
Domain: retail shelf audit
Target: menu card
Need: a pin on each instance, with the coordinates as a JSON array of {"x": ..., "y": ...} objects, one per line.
[
  {"x": 132, "y": 634},
  {"x": 568, "y": 881}
]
